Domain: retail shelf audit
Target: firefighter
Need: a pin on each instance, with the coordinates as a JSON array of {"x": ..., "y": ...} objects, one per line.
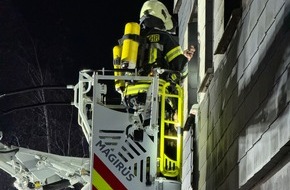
[
  {"x": 163, "y": 51},
  {"x": 157, "y": 49}
]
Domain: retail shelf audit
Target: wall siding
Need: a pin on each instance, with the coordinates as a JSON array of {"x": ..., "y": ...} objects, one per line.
[{"x": 244, "y": 119}]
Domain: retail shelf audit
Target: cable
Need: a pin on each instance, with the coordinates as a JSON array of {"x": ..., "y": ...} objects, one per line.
[
  {"x": 35, "y": 106},
  {"x": 69, "y": 87}
]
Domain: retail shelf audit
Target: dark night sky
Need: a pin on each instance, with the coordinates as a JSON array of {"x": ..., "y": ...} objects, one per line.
[
  {"x": 91, "y": 27},
  {"x": 86, "y": 29},
  {"x": 70, "y": 35}
]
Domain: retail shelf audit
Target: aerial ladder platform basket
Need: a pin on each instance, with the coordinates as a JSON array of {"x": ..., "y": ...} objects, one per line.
[{"x": 125, "y": 152}]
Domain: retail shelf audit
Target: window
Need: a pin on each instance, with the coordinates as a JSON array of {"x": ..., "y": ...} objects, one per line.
[{"x": 232, "y": 15}]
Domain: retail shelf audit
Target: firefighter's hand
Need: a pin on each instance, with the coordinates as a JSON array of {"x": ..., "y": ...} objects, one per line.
[{"x": 188, "y": 53}]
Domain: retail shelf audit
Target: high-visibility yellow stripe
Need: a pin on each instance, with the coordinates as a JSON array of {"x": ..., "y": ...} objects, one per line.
[
  {"x": 99, "y": 182},
  {"x": 132, "y": 90},
  {"x": 173, "y": 53},
  {"x": 140, "y": 87},
  {"x": 153, "y": 55}
]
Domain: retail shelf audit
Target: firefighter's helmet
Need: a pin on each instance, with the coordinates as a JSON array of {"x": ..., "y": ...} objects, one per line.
[{"x": 153, "y": 9}]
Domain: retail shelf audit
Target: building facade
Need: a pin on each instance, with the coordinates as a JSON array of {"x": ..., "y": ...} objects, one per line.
[{"x": 239, "y": 80}]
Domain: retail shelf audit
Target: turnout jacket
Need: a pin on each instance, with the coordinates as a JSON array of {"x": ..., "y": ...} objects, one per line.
[{"x": 162, "y": 50}]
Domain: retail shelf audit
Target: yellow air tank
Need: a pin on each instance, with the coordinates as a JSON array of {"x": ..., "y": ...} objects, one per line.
[
  {"x": 117, "y": 51},
  {"x": 130, "y": 45}
]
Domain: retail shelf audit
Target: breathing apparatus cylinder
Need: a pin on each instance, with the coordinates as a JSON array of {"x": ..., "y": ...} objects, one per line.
[
  {"x": 117, "y": 51},
  {"x": 130, "y": 44}
]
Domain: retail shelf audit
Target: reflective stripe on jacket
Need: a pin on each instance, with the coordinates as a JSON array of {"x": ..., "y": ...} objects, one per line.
[
  {"x": 140, "y": 87},
  {"x": 164, "y": 51}
]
